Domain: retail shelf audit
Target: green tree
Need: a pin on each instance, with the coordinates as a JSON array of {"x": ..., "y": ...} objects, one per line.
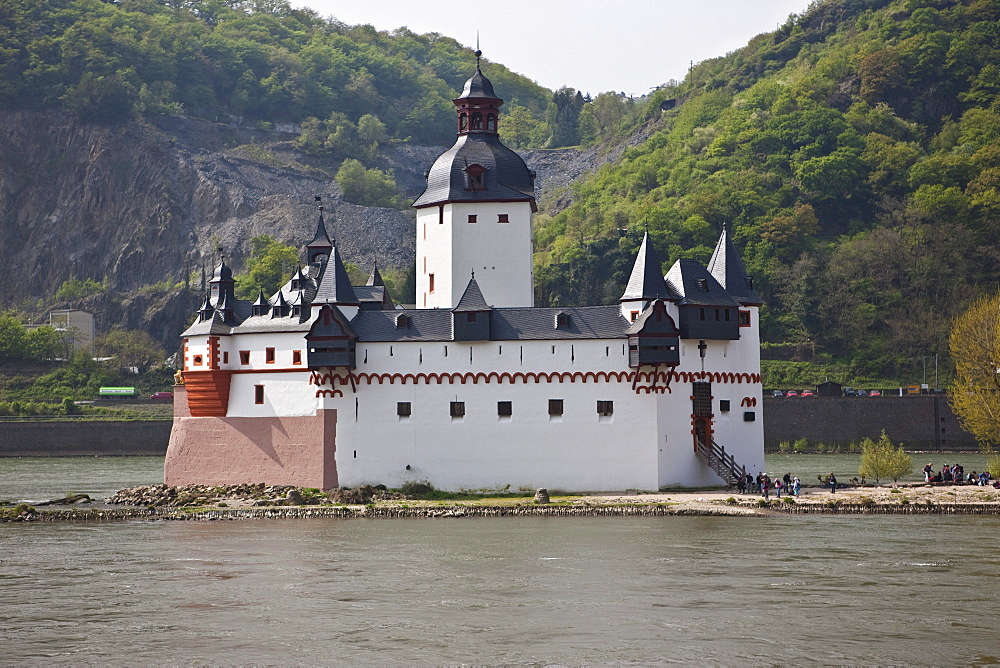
[
  {"x": 516, "y": 126},
  {"x": 130, "y": 348},
  {"x": 879, "y": 459},
  {"x": 267, "y": 268},
  {"x": 975, "y": 350},
  {"x": 368, "y": 187}
]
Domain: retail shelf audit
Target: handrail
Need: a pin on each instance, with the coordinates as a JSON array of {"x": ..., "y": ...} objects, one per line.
[{"x": 719, "y": 461}]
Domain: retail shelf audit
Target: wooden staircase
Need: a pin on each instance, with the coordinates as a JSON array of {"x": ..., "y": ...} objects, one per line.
[{"x": 725, "y": 465}]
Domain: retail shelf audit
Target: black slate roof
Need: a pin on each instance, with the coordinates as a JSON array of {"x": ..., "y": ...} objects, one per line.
[
  {"x": 646, "y": 281},
  {"x": 335, "y": 286},
  {"x": 727, "y": 268},
  {"x": 696, "y": 286},
  {"x": 507, "y": 178},
  {"x": 478, "y": 86},
  {"x": 472, "y": 299}
]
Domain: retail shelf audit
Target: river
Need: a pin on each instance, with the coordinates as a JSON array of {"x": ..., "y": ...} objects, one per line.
[{"x": 700, "y": 590}]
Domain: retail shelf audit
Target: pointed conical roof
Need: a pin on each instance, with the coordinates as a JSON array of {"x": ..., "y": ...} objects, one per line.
[
  {"x": 261, "y": 299},
  {"x": 375, "y": 278},
  {"x": 727, "y": 268},
  {"x": 280, "y": 306},
  {"x": 206, "y": 306},
  {"x": 335, "y": 285},
  {"x": 646, "y": 281},
  {"x": 321, "y": 239},
  {"x": 222, "y": 272},
  {"x": 472, "y": 299}
]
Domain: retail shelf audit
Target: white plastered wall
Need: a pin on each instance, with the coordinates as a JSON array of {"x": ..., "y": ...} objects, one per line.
[{"x": 499, "y": 253}]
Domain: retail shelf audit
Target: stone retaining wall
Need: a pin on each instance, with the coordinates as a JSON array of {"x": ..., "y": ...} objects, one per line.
[
  {"x": 72, "y": 438},
  {"x": 920, "y": 423}
]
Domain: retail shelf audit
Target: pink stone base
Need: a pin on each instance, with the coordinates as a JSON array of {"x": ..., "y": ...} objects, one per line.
[{"x": 235, "y": 450}]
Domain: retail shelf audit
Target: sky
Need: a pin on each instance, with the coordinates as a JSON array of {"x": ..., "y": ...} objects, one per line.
[{"x": 594, "y": 46}]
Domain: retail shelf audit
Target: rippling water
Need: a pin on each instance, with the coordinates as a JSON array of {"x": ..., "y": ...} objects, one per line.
[{"x": 704, "y": 590}]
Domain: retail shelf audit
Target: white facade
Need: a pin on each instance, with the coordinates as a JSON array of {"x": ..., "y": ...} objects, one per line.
[{"x": 492, "y": 239}]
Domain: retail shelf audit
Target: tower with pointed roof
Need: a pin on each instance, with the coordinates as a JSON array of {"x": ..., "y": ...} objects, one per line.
[{"x": 476, "y": 211}]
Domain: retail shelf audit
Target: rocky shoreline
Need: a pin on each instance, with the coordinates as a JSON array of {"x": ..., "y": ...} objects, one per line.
[{"x": 243, "y": 502}]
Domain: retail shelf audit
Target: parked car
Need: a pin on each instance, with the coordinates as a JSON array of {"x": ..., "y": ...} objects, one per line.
[
  {"x": 806, "y": 393},
  {"x": 777, "y": 393},
  {"x": 850, "y": 392},
  {"x": 169, "y": 396},
  {"x": 861, "y": 393},
  {"x": 874, "y": 393},
  {"x": 791, "y": 393}
]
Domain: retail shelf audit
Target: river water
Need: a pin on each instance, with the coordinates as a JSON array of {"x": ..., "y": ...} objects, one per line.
[{"x": 696, "y": 590}]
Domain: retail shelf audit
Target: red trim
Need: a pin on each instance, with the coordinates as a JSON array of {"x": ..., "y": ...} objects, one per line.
[{"x": 653, "y": 378}]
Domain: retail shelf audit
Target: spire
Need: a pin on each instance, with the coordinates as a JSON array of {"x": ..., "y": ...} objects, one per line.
[
  {"x": 222, "y": 280},
  {"x": 335, "y": 285},
  {"x": 206, "y": 310},
  {"x": 646, "y": 281},
  {"x": 478, "y": 86},
  {"x": 375, "y": 278},
  {"x": 727, "y": 268},
  {"x": 319, "y": 248}
]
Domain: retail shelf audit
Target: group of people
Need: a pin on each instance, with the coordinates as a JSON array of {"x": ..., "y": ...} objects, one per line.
[
  {"x": 956, "y": 474},
  {"x": 763, "y": 485}
]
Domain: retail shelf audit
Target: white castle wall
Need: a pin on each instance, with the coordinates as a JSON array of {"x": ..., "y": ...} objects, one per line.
[{"x": 499, "y": 253}]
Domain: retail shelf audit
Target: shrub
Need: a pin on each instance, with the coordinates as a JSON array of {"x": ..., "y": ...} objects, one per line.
[
  {"x": 784, "y": 446},
  {"x": 801, "y": 445},
  {"x": 879, "y": 459}
]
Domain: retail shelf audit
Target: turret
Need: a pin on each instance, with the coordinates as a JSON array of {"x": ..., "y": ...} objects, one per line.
[{"x": 476, "y": 210}]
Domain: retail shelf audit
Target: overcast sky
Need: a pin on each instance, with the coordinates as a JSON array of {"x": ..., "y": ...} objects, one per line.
[{"x": 591, "y": 45}]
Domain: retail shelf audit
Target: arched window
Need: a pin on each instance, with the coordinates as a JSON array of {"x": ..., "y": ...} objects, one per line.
[
  {"x": 491, "y": 123},
  {"x": 475, "y": 177},
  {"x": 477, "y": 121},
  {"x": 463, "y": 122}
]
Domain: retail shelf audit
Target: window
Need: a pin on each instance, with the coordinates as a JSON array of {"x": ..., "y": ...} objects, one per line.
[
  {"x": 605, "y": 408},
  {"x": 244, "y": 357},
  {"x": 502, "y": 218},
  {"x": 269, "y": 355},
  {"x": 296, "y": 357},
  {"x": 225, "y": 357},
  {"x": 477, "y": 121},
  {"x": 430, "y": 282},
  {"x": 470, "y": 317},
  {"x": 717, "y": 314},
  {"x": 634, "y": 315},
  {"x": 458, "y": 409},
  {"x": 504, "y": 409},
  {"x": 723, "y": 405},
  {"x": 258, "y": 394},
  {"x": 744, "y": 318},
  {"x": 440, "y": 217},
  {"x": 749, "y": 416},
  {"x": 727, "y": 315},
  {"x": 491, "y": 123},
  {"x": 463, "y": 122},
  {"x": 198, "y": 360},
  {"x": 555, "y": 407},
  {"x": 562, "y": 320},
  {"x": 402, "y": 321},
  {"x": 472, "y": 218},
  {"x": 475, "y": 177},
  {"x": 703, "y": 284},
  {"x": 403, "y": 408}
]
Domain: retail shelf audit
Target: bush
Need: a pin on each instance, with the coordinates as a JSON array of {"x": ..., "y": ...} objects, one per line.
[
  {"x": 801, "y": 446},
  {"x": 879, "y": 460},
  {"x": 784, "y": 446},
  {"x": 368, "y": 187}
]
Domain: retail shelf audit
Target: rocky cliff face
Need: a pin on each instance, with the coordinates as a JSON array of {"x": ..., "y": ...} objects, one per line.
[{"x": 142, "y": 203}]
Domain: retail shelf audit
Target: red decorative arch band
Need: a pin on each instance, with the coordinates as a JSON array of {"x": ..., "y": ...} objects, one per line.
[{"x": 651, "y": 379}]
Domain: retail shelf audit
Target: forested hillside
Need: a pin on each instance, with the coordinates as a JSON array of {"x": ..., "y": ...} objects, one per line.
[
  {"x": 855, "y": 153},
  {"x": 255, "y": 60}
]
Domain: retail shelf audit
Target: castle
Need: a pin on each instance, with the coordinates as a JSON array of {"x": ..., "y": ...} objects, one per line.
[{"x": 327, "y": 384}]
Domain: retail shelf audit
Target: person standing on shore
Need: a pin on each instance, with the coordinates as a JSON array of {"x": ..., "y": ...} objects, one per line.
[
  {"x": 928, "y": 471},
  {"x": 832, "y": 480},
  {"x": 765, "y": 486},
  {"x": 796, "y": 486}
]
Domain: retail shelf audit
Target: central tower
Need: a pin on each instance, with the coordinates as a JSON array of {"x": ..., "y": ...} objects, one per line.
[{"x": 475, "y": 215}]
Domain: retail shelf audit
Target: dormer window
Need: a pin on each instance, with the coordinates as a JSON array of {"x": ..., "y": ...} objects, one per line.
[
  {"x": 562, "y": 320},
  {"x": 477, "y": 121},
  {"x": 402, "y": 321},
  {"x": 703, "y": 284},
  {"x": 475, "y": 177}
]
